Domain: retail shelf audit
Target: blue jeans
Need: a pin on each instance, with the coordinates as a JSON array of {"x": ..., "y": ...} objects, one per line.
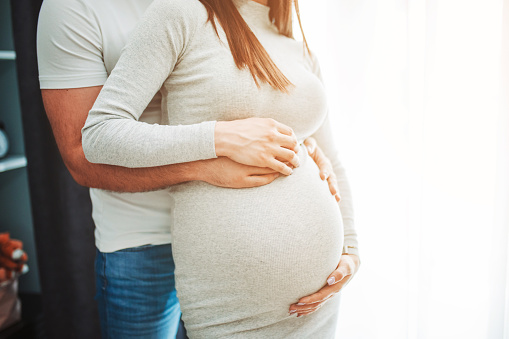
[{"x": 135, "y": 292}]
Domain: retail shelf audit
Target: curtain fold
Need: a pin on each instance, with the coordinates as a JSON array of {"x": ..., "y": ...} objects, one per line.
[
  {"x": 419, "y": 94},
  {"x": 499, "y": 313}
]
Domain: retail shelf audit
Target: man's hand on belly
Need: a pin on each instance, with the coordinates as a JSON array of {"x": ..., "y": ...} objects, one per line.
[
  {"x": 347, "y": 267},
  {"x": 324, "y": 165},
  {"x": 225, "y": 172}
]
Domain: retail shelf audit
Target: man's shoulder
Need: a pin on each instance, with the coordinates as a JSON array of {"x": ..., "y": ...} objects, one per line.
[
  {"x": 65, "y": 11},
  {"x": 66, "y": 5}
]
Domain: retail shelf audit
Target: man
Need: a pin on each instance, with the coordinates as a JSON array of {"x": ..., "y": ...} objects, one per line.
[{"x": 79, "y": 43}]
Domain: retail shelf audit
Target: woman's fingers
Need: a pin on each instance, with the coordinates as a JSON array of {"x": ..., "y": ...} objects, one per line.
[
  {"x": 300, "y": 314},
  {"x": 346, "y": 268},
  {"x": 316, "y": 153},
  {"x": 256, "y": 142},
  {"x": 289, "y": 142},
  {"x": 320, "y": 296},
  {"x": 282, "y": 128},
  {"x": 324, "y": 165},
  {"x": 299, "y": 308},
  {"x": 310, "y": 144},
  {"x": 307, "y": 311},
  {"x": 287, "y": 155},
  {"x": 333, "y": 186},
  {"x": 338, "y": 275},
  {"x": 342, "y": 275},
  {"x": 280, "y": 167}
]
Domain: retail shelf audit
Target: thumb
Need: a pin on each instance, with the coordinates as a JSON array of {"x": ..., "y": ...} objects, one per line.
[{"x": 339, "y": 274}]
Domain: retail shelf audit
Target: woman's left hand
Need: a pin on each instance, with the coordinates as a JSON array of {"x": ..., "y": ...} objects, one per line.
[
  {"x": 324, "y": 165},
  {"x": 347, "y": 267}
]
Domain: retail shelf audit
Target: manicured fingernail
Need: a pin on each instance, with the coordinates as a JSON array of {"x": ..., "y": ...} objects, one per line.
[
  {"x": 325, "y": 175},
  {"x": 25, "y": 269},
  {"x": 293, "y": 311},
  {"x": 301, "y": 304},
  {"x": 331, "y": 280}
]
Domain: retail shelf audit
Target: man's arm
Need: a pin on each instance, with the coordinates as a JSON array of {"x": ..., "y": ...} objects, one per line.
[
  {"x": 67, "y": 110},
  {"x": 69, "y": 50}
]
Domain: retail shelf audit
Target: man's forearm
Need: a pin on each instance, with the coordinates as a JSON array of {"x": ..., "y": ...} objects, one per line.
[{"x": 122, "y": 179}]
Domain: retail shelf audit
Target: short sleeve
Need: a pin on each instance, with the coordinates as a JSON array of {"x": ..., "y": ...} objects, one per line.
[{"x": 69, "y": 46}]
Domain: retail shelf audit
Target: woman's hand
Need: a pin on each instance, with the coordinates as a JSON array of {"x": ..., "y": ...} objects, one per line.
[
  {"x": 324, "y": 165},
  {"x": 260, "y": 142},
  {"x": 347, "y": 267}
]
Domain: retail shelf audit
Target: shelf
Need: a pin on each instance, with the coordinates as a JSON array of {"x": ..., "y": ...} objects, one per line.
[
  {"x": 12, "y": 162},
  {"x": 7, "y": 55}
]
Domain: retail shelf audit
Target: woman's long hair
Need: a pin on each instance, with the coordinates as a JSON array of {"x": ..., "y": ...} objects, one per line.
[{"x": 247, "y": 51}]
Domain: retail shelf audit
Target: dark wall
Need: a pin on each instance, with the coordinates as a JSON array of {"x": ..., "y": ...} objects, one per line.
[
  {"x": 15, "y": 212},
  {"x": 61, "y": 209}
]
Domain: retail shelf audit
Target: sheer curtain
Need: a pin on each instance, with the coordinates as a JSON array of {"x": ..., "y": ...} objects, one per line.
[{"x": 419, "y": 92}]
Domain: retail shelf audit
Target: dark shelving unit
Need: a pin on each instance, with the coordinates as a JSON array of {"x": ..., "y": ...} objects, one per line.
[{"x": 15, "y": 209}]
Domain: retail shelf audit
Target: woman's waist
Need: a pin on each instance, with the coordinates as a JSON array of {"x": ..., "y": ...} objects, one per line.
[{"x": 305, "y": 179}]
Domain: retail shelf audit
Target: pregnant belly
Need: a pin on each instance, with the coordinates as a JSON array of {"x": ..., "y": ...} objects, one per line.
[{"x": 250, "y": 252}]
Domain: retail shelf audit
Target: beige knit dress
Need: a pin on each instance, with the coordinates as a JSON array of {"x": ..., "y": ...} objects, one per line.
[{"x": 242, "y": 255}]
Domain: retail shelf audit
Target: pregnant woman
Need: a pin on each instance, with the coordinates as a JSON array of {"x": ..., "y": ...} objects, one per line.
[{"x": 225, "y": 67}]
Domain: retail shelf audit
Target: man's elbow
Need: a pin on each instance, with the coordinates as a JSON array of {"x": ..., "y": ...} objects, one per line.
[
  {"x": 80, "y": 178},
  {"x": 78, "y": 166}
]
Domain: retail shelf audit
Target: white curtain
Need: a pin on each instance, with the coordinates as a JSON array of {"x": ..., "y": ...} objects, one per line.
[{"x": 419, "y": 92}]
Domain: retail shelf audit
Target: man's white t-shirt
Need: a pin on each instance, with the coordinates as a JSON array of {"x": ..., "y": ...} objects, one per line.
[{"x": 78, "y": 44}]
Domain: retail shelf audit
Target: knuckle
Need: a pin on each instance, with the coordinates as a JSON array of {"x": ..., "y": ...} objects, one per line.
[
  {"x": 271, "y": 135},
  {"x": 262, "y": 158}
]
